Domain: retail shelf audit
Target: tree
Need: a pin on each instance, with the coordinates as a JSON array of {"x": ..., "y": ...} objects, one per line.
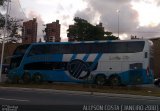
[
  {"x": 109, "y": 36},
  {"x": 2, "y": 1},
  {"x": 13, "y": 26},
  {"x": 2, "y": 21},
  {"x": 13, "y": 29},
  {"x": 82, "y": 30}
]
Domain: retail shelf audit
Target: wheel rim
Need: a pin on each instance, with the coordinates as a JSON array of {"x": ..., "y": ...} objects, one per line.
[
  {"x": 26, "y": 78},
  {"x": 37, "y": 78},
  {"x": 100, "y": 80},
  {"x": 115, "y": 81}
]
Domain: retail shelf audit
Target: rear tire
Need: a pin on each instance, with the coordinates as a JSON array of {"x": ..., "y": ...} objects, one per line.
[
  {"x": 115, "y": 81},
  {"x": 50, "y": 82},
  {"x": 15, "y": 79},
  {"x": 157, "y": 82},
  {"x": 100, "y": 80},
  {"x": 26, "y": 78}
]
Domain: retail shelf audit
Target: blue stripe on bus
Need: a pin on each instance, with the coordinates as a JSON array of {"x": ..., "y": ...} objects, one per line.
[
  {"x": 95, "y": 61},
  {"x": 82, "y": 42},
  {"x": 73, "y": 56},
  {"x": 85, "y": 57},
  {"x": 109, "y": 40},
  {"x": 96, "y": 41},
  {"x": 55, "y": 57}
]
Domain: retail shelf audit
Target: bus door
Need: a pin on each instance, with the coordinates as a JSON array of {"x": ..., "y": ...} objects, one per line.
[{"x": 136, "y": 73}]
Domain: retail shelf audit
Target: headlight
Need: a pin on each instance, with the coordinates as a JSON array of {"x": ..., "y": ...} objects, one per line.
[{"x": 155, "y": 79}]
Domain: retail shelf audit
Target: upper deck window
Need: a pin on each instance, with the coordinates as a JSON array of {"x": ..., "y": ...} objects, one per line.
[
  {"x": 20, "y": 50},
  {"x": 87, "y": 48}
]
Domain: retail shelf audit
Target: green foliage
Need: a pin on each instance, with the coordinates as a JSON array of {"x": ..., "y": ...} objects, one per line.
[
  {"x": 13, "y": 26},
  {"x": 2, "y": 1},
  {"x": 109, "y": 36},
  {"x": 2, "y": 21},
  {"x": 82, "y": 30}
]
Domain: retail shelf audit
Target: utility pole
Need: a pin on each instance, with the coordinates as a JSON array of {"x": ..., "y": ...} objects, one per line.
[
  {"x": 118, "y": 21},
  {"x": 3, "y": 39}
]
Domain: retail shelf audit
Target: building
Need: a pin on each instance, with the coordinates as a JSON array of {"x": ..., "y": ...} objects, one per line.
[
  {"x": 29, "y": 32},
  {"x": 53, "y": 32}
]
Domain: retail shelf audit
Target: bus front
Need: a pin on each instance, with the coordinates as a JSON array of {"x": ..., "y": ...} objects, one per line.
[{"x": 15, "y": 62}]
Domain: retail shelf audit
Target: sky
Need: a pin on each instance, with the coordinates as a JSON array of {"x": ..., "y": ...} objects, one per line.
[{"x": 140, "y": 18}]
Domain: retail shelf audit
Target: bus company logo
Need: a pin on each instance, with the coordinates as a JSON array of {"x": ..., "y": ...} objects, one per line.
[
  {"x": 78, "y": 69},
  {"x": 125, "y": 57},
  {"x": 115, "y": 58}
]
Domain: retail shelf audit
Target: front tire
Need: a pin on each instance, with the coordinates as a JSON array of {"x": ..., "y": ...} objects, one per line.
[
  {"x": 37, "y": 78},
  {"x": 26, "y": 78},
  {"x": 100, "y": 80}
]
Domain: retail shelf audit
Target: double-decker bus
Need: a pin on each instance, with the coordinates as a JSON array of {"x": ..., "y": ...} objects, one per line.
[{"x": 115, "y": 62}]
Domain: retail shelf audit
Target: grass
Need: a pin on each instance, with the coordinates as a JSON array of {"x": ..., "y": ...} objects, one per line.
[{"x": 135, "y": 90}]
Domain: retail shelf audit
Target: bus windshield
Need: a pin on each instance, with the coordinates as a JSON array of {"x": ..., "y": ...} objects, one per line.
[
  {"x": 18, "y": 55},
  {"x": 20, "y": 50}
]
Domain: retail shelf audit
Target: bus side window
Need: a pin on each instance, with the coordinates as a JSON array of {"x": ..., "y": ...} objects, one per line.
[
  {"x": 135, "y": 66},
  {"x": 145, "y": 55}
]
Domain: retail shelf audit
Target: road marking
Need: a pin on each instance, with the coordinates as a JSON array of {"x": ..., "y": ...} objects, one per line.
[{"x": 7, "y": 99}]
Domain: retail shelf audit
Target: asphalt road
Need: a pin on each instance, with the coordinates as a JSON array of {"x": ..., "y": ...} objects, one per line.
[
  {"x": 26, "y": 96},
  {"x": 23, "y": 99},
  {"x": 39, "y": 97}
]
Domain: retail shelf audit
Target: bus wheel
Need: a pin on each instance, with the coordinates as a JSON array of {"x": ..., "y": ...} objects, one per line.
[
  {"x": 50, "y": 82},
  {"x": 26, "y": 78},
  {"x": 114, "y": 81},
  {"x": 15, "y": 79},
  {"x": 157, "y": 82},
  {"x": 37, "y": 78},
  {"x": 100, "y": 79}
]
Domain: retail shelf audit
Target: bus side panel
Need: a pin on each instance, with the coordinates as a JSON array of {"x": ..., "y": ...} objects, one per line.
[
  {"x": 83, "y": 57},
  {"x": 135, "y": 77}
]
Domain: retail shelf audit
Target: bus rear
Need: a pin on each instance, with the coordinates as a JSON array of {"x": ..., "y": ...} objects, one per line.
[{"x": 126, "y": 62}]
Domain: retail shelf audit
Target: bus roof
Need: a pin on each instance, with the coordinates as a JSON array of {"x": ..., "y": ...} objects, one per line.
[{"x": 102, "y": 41}]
